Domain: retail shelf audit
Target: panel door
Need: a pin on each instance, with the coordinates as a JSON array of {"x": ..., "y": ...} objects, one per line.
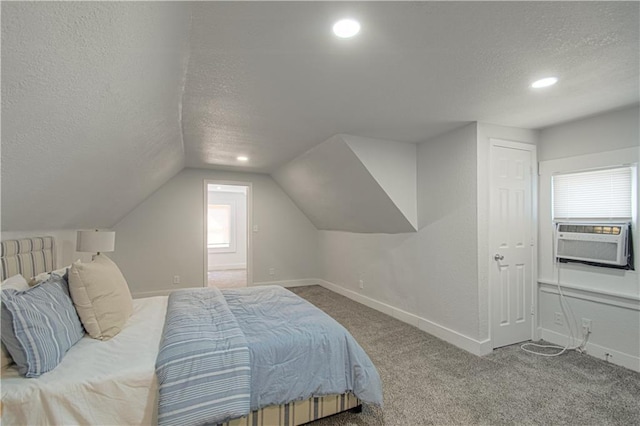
[{"x": 511, "y": 244}]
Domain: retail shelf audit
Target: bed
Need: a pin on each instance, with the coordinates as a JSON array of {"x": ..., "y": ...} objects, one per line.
[{"x": 116, "y": 381}]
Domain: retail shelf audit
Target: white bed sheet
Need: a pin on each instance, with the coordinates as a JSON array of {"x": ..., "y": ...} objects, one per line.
[{"x": 98, "y": 383}]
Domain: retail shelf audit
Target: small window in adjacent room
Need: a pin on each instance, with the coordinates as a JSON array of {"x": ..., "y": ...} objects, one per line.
[
  {"x": 219, "y": 226},
  {"x": 599, "y": 194}
]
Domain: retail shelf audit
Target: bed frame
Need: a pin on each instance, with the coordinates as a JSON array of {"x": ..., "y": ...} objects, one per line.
[
  {"x": 32, "y": 256},
  {"x": 299, "y": 412}
]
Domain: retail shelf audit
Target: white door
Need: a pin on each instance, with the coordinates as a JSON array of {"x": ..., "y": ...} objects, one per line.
[{"x": 511, "y": 240}]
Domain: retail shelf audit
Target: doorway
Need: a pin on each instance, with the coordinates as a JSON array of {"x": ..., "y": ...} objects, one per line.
[
  {"x": 226, "y": 234},
  {"x": 512, "y": 241}
]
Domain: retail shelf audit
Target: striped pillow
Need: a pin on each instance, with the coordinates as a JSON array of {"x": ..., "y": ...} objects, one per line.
[
  {"x": 17, "y": 282},
  {"x": 39, "y": 325}
]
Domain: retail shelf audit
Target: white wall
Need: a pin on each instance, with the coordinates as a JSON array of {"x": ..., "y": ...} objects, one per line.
[
  {"x": 605, "y": 132},
  {"x": 447, "y": 214},
  {"x": 429, "y": 275},
  {"x": 436, "y": 278},
  {"x": 236, "y": 256},
  {"x": 610, "y": 298},
  {"x": 164, "y": 235}
]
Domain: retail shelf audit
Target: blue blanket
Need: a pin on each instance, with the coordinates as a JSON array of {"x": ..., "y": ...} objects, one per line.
[
  {"x": 203, "y": 364},
  {"x": 296, "y": 351}
]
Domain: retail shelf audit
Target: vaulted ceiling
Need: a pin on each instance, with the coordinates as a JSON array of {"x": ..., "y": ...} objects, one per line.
[
  {"x": 91, "y": 109},
  {"x": 103, "y": 102}
]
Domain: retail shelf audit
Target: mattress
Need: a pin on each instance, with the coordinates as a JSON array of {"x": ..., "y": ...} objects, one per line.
[{"x": 97, "y": 382}]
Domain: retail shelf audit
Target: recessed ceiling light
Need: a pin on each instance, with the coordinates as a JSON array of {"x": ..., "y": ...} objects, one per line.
[
  {"x": 545, "y": 82},
  {"x": 243, "y": 158},
  {"x": 346, "y": 28}
]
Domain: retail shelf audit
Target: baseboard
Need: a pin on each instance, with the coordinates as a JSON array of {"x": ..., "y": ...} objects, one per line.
[
  {"x": 284, "y": 283},
  {"x": 228, "y": 267},
  {"x": 614, "y": 357},
  {"x": 467, "y": 343},
  {"x": 289, "y": 283}
]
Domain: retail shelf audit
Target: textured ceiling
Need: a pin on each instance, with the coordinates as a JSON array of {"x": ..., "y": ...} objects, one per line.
[
  {"x": 102, "y": 102},
  {"x": 91, "y": 97},
  {"x": 270, "y": 81}
]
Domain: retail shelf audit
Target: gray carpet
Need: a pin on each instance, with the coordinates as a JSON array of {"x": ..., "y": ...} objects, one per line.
[
  {"x": 228, "y": 278},
  {"x": 428, "y": 381}
]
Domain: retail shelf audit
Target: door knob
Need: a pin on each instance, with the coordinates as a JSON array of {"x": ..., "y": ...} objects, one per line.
[{"x": 498, "y": 257}]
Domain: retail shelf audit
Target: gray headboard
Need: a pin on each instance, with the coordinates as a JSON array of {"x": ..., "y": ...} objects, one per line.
[{"x": 28, "y": 256}]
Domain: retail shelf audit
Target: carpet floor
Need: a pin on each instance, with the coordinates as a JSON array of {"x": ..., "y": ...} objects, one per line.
[
  {"x": 228, "y": 278},
  {"x": 428, "y": 381}
]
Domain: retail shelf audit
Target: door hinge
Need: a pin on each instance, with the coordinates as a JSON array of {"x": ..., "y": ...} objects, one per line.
[{"x": 533, "y": 310}]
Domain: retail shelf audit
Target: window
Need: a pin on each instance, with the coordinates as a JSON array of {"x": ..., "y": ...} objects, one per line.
[
  {"x": 219, "y": 226},
  {"x": 599, "y": 194}
]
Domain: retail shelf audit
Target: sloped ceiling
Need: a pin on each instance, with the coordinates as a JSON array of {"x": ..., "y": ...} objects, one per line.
[
  {"x": 334, "y": 187},
  {"x": 97, "y": 97},
  {"x": 91, "y": 98},
  {"x": 394, "y": 167}
]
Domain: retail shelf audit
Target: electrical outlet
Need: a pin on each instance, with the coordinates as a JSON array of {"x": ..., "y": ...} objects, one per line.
[
  {"x": 559, "y": 320},
  {"x": 176, "y": 279},
  {"x": 361, "y": 283},
  {"x": 272, "y": 271},
  {"x": 586, "y": 325}
]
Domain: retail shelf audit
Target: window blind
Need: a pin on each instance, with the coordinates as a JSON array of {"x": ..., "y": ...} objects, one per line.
[{"x": 600, "y": 194}]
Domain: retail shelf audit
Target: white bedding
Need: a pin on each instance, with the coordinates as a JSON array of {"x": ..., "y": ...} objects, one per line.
[{"x": 98, "y": 382}]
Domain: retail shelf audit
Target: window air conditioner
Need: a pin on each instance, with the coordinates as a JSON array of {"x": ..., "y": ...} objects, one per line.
[{"x": 604, "y": 243}]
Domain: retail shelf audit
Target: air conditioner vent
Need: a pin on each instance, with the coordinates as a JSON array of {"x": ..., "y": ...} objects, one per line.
[
  {"x": 590, "y": 229},
  {"x": 588, "y": 250},
  {"x": 604, "y": 243}
]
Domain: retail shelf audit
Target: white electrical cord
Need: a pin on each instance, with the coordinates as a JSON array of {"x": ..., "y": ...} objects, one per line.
[
  {"x": 564, "y": 307},
  {"x": 571, "y": 338}
]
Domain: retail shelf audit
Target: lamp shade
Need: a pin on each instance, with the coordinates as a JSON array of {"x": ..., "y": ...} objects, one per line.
[{"x": 95, "y": 241}]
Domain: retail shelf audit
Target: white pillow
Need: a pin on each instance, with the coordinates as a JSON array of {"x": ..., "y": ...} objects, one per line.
[
  {"x": 46, "y": 275},
  {"x": 16, "y": 282},
  {"x": 101, "y": 296}
]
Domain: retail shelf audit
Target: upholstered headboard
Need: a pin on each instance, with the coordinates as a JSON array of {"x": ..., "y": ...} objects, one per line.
[{"x": 28, "y": 256}]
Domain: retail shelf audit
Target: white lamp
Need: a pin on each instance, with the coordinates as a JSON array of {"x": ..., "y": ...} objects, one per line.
[{"x": 95, "y": 241}]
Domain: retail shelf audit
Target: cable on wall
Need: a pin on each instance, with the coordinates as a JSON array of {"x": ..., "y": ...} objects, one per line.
[{"x": 564, "y": 307}]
